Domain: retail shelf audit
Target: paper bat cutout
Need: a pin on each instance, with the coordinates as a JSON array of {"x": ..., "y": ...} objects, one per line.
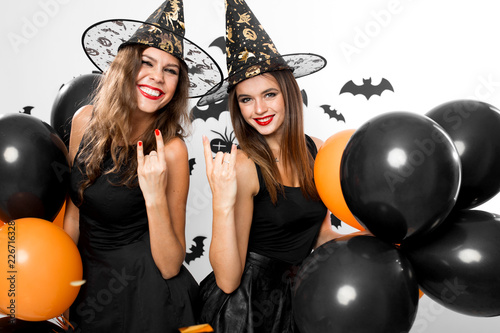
[
  {"x": 333, "y": 113},
  {"x": 335, "y": 221},
  {"x": 192, "y": 162},
  {"x": 27, "y": 110},
  {"x": 367, "y": 89},
  {"x": 304, "y": 96},
  {"x": 214, "y": 110},
  {"x": 196, "y": 249}
]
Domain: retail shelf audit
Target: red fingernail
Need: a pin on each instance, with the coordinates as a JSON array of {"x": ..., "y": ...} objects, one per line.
[
  {"x": 157, "y": 132},
  {"x": 140, "y": 143}
]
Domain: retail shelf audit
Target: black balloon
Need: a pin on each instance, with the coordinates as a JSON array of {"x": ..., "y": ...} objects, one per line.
[
  {"x": 400, "y": 175},
  {"x": 357, "y": 283},
  {"x": 474, "y": 127},
  {"x": 72, "y": 96},
  {"x": 34, "y": 168},
  {"x": 14, "y": 325},
  {"x": 458, "y": 265}
]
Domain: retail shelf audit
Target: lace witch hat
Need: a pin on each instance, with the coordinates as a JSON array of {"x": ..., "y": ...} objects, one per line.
[
  {"x": 250, "y": 52},
  {"x": 165, "y": 30}
]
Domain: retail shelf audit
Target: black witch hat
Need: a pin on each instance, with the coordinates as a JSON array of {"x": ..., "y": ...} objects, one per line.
[
  {"x": 165, "y": 30},
  {"x": 250, "y": 52}
]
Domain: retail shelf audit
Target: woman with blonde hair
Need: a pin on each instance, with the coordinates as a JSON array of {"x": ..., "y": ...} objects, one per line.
[{"x": 130, "y": 176}]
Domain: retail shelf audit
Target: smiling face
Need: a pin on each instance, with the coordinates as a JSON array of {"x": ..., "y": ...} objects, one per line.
[
  {"x": 261, "y": 103},
  {"x": 157, "y": 79}
]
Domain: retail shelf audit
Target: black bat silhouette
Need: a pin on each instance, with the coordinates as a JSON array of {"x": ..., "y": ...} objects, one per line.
[
  {"x": 333, "y": 113},
  {"x": 27, "y": 110},
  {"x": 220, "y": 43},
  {"x": 192, "y": 162},
  {"x": 367, "y": 89},
  {"x": 196, "y": 249},
  {"x": 335, "y": 221},
  {"x": 304, "y": 96},
  {"x": 214, "y": 110}
]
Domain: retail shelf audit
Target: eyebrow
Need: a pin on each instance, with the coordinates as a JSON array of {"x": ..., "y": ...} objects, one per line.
[
  {"x": 262, "y": 93},
  {"x": 155, "y": 60}
]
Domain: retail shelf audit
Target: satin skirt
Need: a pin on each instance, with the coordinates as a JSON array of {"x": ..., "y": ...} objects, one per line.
[{"x": 262, "y": 302}]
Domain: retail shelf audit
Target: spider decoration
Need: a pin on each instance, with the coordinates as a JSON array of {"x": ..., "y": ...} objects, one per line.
[{"x": 222, "y": 144}]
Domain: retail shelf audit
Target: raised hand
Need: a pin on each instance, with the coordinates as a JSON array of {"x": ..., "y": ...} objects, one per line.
[
  {"x": 221, "y": 174},
  {"x": 152, "y": 170}
]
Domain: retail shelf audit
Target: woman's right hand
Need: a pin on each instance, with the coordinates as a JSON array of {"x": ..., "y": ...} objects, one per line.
[{"x": 221, "y": 174}]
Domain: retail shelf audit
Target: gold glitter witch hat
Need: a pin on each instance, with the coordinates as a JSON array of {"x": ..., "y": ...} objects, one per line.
[
  {"x": 165, "y": 30},
  {"x": 250, "y": 52}
]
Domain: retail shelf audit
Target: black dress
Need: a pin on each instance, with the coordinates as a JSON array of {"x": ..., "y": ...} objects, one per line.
[
  {"x": 281, "y": 236},
  {"x": 125, "y": 291}
]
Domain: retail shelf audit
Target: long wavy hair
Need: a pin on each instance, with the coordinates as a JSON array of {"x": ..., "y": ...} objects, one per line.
[
  {"x": 110, "y": 127},
  {"x": 295, "y": 155}
]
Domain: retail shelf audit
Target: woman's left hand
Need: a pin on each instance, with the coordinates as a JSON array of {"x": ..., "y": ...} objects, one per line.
[{"x": 152, "y": 169}]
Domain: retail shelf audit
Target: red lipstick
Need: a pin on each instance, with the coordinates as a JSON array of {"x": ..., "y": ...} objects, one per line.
[
  {"x": 264, "y": 120},
  {"x": 150, "y": 92}
]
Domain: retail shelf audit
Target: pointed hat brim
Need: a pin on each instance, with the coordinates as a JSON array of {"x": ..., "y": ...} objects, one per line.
[
  {"x": 301, "y": 64},
  {"x": 102, "y": 40}
]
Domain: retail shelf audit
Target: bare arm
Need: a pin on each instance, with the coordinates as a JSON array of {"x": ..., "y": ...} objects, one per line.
[
  {"x": 71, "y": 223},
  {"x": 233, "y": 186},
  {"x": 79, "y": 123},
  {"x": 166, "y": 205}
]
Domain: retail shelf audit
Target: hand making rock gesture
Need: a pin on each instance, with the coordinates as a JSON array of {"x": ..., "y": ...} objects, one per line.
[
  {"x": 221, "y": 174},
  {"x": 152, "y": 169}
]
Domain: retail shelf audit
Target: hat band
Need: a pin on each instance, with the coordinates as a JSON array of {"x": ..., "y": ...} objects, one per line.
[
  {"x": 252, "y": 70},
  {"x": 153, "y": 36}
]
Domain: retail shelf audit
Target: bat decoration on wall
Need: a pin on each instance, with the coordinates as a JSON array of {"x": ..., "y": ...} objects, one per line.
[
  {"x": 27, "y": 110},
  {"x": 220, "y": 43},
  {"x": 197, "y": 250},
  {"x": 214, "y": 110},
  {"x": 304, "y": 97},
  {"x": 335, "y": 221},
  {"x": 223, "y": 144},
  {"x": 367, "y": 89},
  {"x": 332, "y": 113},
  {"x": 192, "y": 162}
]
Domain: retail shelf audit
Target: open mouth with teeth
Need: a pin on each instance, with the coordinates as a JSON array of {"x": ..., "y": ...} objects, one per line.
[
  {"x": 150, "y": 92},
  {"x": 264, "y": 120}
]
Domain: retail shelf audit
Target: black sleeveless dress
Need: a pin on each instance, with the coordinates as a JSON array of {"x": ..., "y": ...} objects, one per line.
[
  {"x": 281, "y": 236},
  {"x": 125, "y": 291}
]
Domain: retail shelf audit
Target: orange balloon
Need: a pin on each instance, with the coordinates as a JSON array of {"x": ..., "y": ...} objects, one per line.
[
  {"x": 39, "y": 265},
  {"x": 327, "y": 177},
  {"x": 59, "y": 220}
]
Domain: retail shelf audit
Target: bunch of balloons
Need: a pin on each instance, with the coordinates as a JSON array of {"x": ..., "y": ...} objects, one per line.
[
  {"x": 407, "y": 182},
  {"x": 40, "y": 264}
]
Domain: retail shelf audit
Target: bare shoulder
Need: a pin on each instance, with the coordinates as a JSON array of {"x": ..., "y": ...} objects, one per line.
[
  {"x": 246, "y": 172},
  {"x": 79, "y": 124},
  {"x": 82, "y": 117},
  {"x": 176, "y": 150},
  {"x": 317, "y": 142}
]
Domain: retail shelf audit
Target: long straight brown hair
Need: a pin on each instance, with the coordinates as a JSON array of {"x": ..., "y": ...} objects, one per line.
[
  {"x": 295, "y": 154},
  {"x": 110, "y": 127}
]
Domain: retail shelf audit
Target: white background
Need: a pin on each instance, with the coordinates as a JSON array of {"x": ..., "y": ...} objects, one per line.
[{"x": 431, "y": 51}]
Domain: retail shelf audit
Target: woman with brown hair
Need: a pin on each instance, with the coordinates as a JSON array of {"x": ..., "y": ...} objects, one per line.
[
  {"x": 130, "y": 176},
  {"x": 267, "y": 215}
]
